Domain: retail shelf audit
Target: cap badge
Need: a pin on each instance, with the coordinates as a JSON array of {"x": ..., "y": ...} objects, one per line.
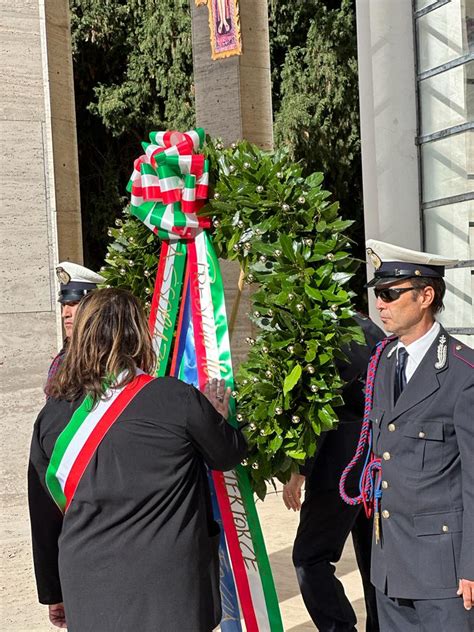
[
  {"x": 418, "y": 272},
  {"x": 63, "y": 276},
  {"x": 374, "y": 258},
  {"x": 442, "y": 353}
]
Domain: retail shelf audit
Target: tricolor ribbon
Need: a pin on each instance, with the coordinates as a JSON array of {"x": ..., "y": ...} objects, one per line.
[{"x": 188, "y": 321}]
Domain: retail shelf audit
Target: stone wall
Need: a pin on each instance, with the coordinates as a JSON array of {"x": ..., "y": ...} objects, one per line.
[{"x": 39, "y": 223}]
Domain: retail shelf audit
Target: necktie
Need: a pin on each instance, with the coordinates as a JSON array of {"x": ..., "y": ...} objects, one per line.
[{"x": 400, "y": 376}]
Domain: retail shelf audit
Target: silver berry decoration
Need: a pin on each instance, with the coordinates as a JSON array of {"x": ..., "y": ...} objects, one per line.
[
  {"x": 314, "y": 388},
  {"x": 255, "y": 380},
  {"x": 102, "y": 269},
  {"x": 279, "y": 410},
  {"x": 219, "y": 146},
  {"x": 291, "y": 296},
  {"x": 279, "y": 174},
  {"x": 234, "y": 394},
  {"x": 235, "y": 248},
  {"x": 247, "y": 246},
  {"x": 118, "y": 222},
  {"x": 239, "y": 417},
  {"x": 334, "y": 308},
  {"x": 308, "y": 242},
  {"x": 299, "y": 307},
  {"x": 310, "y": 368},
  {"x": 216, "y": 223},
  {"x": 263, "y": 258},
  {"x": 131, "y": 240},
  {"x": 252, "y": 427},
  {"x": 250, "y": 278},
  {"x": 270, "y": 313},
  {"x": 245, "y": 382},
  {"x": 234, "y": 145},
  {"x": 259, "y": 189},
  {"x": 232, "y": 168},
  {"x": 147, "y": 290},
  {"x": 147, "y": 304},
  {"x": 295, "y": 419},
  {"x": 268, "y": 374},
  {"x": 147, "y": 273},
  {"x": 122, "y": 271},
  {"x": 290, "y": 349},
  {"x": 255, "y": 466},
  {"x": 277, "y": 253},
  {"x": 131, "y": 262},
  {"x": 262, "y": 433},
  {"x": 244, "y": 462},
  {"x": 109, "y": 232},
  {"x": 240, "y": 223},
  {"x": 246, "y": 165},
  {"x": 301, "y": 200},
  {"x": 285, "y": 207},
  {"x": 217, "y": 195},
  {"x": 330, "y": 256},
  {"x": 256, "y": 314},
  {"x": 265, "y": 349}
]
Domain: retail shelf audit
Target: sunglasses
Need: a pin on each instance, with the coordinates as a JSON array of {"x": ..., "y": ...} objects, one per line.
[{"x": 388, "y": 295}]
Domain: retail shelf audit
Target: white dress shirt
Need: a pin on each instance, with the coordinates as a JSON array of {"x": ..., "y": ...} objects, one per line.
[{"x": 416, "y": 350}]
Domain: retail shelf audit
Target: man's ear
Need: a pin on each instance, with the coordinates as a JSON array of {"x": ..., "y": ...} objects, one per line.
[{"x": 428, "y": 295}]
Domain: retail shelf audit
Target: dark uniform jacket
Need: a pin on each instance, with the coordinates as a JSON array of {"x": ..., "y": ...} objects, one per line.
[
  {"x": 426, "y": 443},
  {"x": 137, "y": 548}
]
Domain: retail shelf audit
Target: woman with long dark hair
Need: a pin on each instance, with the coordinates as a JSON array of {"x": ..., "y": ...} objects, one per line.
[{"x": 122, "y": 528}]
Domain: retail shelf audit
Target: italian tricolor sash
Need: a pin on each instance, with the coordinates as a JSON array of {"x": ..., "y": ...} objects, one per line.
[
  {"x": 188, "y": 322},
  {"x": 77, "y": 443}
]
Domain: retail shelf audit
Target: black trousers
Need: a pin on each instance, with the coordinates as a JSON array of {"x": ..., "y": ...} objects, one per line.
[{"x": 325, "y": 523}]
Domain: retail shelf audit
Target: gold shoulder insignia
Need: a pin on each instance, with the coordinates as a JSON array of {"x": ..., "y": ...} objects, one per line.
[
  {"x": 63, "y": 276},
  {"x": 374, "y": 258}
]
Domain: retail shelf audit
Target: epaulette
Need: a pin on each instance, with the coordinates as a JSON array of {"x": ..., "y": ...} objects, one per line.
[{"x": 463, "y": 352}]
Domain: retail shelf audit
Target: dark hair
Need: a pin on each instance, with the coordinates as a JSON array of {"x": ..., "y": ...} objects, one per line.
[
  {"x": 110, "y": 337},
  {"x": 439, "y": 287}
]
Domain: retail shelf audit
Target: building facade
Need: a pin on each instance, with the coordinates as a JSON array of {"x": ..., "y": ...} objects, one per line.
[{"x": 416, "y": 72}]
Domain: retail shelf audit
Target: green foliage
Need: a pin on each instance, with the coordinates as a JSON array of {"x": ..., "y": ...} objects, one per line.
[
  {"x": 132, "y": 258},
  {"x": 132, "y": 73},
  {"x": 291, "y": 242}
]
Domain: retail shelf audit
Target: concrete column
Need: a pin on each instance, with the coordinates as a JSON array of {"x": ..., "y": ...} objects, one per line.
[
  {"x": 39, "y": 223},
  {"x": 388, "y": 116},
  {"x": 234, "y": 102}
]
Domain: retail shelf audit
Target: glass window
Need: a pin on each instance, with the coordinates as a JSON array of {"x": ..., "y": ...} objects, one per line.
[
  {"x": 444, "y": 34},
  {"x": 447, "y": 99},
  {"x": 447, "y": 166},
  {"x": 449, "y": 231}
]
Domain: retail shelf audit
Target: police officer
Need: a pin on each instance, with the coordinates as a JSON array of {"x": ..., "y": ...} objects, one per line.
[
  {"x": 75, "y": 282},
  {"x": 423, "y": 432},
  {"x": 325, "y": 520}
]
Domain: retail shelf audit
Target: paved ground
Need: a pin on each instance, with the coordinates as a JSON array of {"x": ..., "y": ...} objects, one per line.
[{"x": 21, "y": 613}]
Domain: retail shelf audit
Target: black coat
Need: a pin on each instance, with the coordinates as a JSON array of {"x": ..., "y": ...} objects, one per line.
[
  {"x": 137, "y": 548},
  {"x": 337, "y": 447}
]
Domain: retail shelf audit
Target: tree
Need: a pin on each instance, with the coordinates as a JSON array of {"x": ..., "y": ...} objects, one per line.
[{"x": 133, "y": 73}]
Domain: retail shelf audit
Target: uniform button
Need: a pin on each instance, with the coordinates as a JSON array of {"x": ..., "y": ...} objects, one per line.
[
  {"x": 386, "y": 456},
  {"x": 384, "y": 485},
  {"x": 458, "y": 347},
  {"x": 421, "y": 434},
  {"x": 445, "y": 528},
  {"x": 385, "y": 513},
  {"x": 391, "y": 427}
]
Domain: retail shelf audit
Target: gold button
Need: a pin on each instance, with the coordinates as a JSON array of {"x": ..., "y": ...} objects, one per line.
[
  {"x": 384, "y": 485},
  {"x": 445, "y": 528},
  {"x": 421, "y": 434},
  {"x": 386, "y": 456},
  {"x": 386, "y": 513},
  {"x": 391, "y": 427}
]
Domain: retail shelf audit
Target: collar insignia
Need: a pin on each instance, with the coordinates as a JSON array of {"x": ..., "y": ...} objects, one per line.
[
  {"x": 374, "y": 258},
  {"x": 63, "y": 276},
  {"x": 442, "y": 353}
]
